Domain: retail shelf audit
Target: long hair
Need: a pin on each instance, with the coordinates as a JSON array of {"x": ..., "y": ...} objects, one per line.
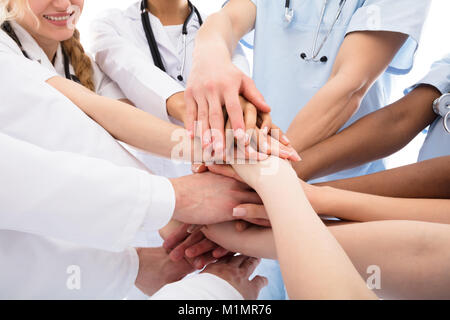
[{"x": 82, "y": 64}]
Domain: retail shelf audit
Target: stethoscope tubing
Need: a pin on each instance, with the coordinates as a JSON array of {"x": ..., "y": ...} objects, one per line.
[
  {"x": 153, "y": 46},
  {"x": 289, "y": 14},
  {"x": 10, "y": 32}
]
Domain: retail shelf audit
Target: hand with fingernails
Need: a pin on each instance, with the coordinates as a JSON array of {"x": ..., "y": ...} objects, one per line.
[
  {"x": 260, "y": 137},
  {"x": 236, "y": 270}
]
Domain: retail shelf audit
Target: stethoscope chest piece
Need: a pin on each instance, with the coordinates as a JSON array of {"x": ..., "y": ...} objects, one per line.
[
  {"x": 316, "y": 46},
  {"x": 441, "y": 107}
]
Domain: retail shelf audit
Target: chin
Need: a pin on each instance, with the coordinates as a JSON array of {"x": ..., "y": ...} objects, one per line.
[{"x": 59, "y": 35}]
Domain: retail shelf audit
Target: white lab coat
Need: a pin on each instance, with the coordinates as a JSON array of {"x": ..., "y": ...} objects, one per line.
[
  {"x": 35, "y": 113},
  {"x": 122, "y": 52},
  {"x": 71, "y": 195}
]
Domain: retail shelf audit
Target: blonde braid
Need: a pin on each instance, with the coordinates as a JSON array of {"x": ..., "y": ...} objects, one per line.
[{"x": 80, "y": 61}]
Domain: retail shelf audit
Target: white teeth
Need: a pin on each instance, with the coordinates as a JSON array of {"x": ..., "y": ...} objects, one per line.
[{"x": 57, "y": 18}]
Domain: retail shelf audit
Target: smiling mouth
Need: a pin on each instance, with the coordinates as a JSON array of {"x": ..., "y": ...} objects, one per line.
[{"x": 59, "y": 17}]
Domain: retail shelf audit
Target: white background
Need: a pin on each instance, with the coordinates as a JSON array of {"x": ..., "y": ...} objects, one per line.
[{"x": 435, "y": 43}]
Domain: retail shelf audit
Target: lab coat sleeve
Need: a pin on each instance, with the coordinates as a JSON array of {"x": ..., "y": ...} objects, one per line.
[
  {"x": 80, "y": 199},
  {"x": 35, "y": 267},
  {"x": 203, "y": 286},
  {"x": 403, "y": 16},
  {"x": 104, "y": 86},
  {"x": 143, "y": 83},
  {"x": 438, "y": 77}
]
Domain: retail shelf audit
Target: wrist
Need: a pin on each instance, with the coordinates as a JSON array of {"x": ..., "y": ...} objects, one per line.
[
  {"x": 176, "y": 106},
  {"x": 264, "y": 175},
  {"x": 180, "y": 198},
  {"x": 139, "y": 276},
  {"x": 323, "y": 199}
]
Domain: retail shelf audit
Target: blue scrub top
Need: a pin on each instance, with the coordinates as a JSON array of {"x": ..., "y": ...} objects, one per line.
[
  {"x": 288, "y": 82},
  {"x": 437, "y": 142}
]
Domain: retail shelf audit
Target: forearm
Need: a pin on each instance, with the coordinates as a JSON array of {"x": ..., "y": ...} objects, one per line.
[
  {"x": 324, "y": 114},
  {"x": 362, "y": 58},
  {"x": 426, "y": 179},
  {"x": 412, "y": 257},
  {"x": 361, "y": 207},
  {"x": 253, "y": 242},
  {"x": 216, "y": 34},
  {"x": 222, "y": 31},
  {"x": 385, "y": 131},
  {"x": 294, "y": 222},
  {"x": 124, "y": 122}
]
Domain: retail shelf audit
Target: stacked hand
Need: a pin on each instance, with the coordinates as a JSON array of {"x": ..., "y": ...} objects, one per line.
[{"x": 224, "y": 195}]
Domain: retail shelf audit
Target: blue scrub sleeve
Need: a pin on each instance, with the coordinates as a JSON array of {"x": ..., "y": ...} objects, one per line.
[
  {"x": 438, "y": 77},
  {"x": 404, "y": 16}
]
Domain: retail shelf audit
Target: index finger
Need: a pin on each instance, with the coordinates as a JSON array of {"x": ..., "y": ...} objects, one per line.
[
  {"x": 235, "y": 114},
  {"x": 191, "y": 112},
  {"x": 180, "y": 234}
]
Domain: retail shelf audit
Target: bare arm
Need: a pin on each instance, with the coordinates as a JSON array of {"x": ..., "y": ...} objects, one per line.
[
  {"x": 413, "y": 257},
  {"x": 426, "y": 179},
  {"x": 214, "y": 80},
  {"x": 295, "y": 222},
  {"x": 123, "y": 121},
  {"x": 362, "y": 58},
  {"x": 385, "y": 131},
  {"x": 362, "y": 207}
]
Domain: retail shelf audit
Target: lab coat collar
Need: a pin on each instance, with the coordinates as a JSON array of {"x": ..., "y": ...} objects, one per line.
[
  {"x": 5, "y": 39},
  {"x": 134, "y": 13},
  {"x": 30, "y": 45},
  {"x": 36, "y": 53}
]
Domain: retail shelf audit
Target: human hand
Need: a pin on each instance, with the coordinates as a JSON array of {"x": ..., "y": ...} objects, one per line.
[
  {"x": 206, "y": 93},
  {"x": 209, "y": 198},
  {"x": 194, "y": 247},
  {"x": 263, "y": 135},
  {"x": 236, "y": 271},
  {"x": 253, "y": 240},
  {"x": 156, "y": 270}
]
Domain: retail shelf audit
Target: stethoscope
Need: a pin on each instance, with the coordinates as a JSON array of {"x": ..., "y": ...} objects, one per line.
[
  {"x": 289, "y": 15},
  {"x": 441, "y": 107},
  {"x": 152, "y": 41},
  {"x": 12, "y": 34}
]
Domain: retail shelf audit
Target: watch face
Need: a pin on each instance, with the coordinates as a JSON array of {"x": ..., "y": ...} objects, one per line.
[
  {"x": 441, "y": 106},
  {"x": 436, "y": 106}
]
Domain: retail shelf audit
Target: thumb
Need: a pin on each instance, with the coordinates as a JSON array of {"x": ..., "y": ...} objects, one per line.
[
  {"x": 252, "y": 94},
  {"x": 250, "y": 211}
]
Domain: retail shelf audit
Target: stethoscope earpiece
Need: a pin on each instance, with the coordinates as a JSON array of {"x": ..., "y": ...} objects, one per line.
[{"x": 180, "y": 78}]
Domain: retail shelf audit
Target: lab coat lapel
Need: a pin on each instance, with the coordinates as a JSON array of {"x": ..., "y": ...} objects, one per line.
[
  {"x": 30, "y": 45},
  {"x": 168, "y": 50}
]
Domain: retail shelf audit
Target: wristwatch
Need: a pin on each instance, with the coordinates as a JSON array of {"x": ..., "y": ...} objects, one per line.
[{"x": 441, "y": 106}]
